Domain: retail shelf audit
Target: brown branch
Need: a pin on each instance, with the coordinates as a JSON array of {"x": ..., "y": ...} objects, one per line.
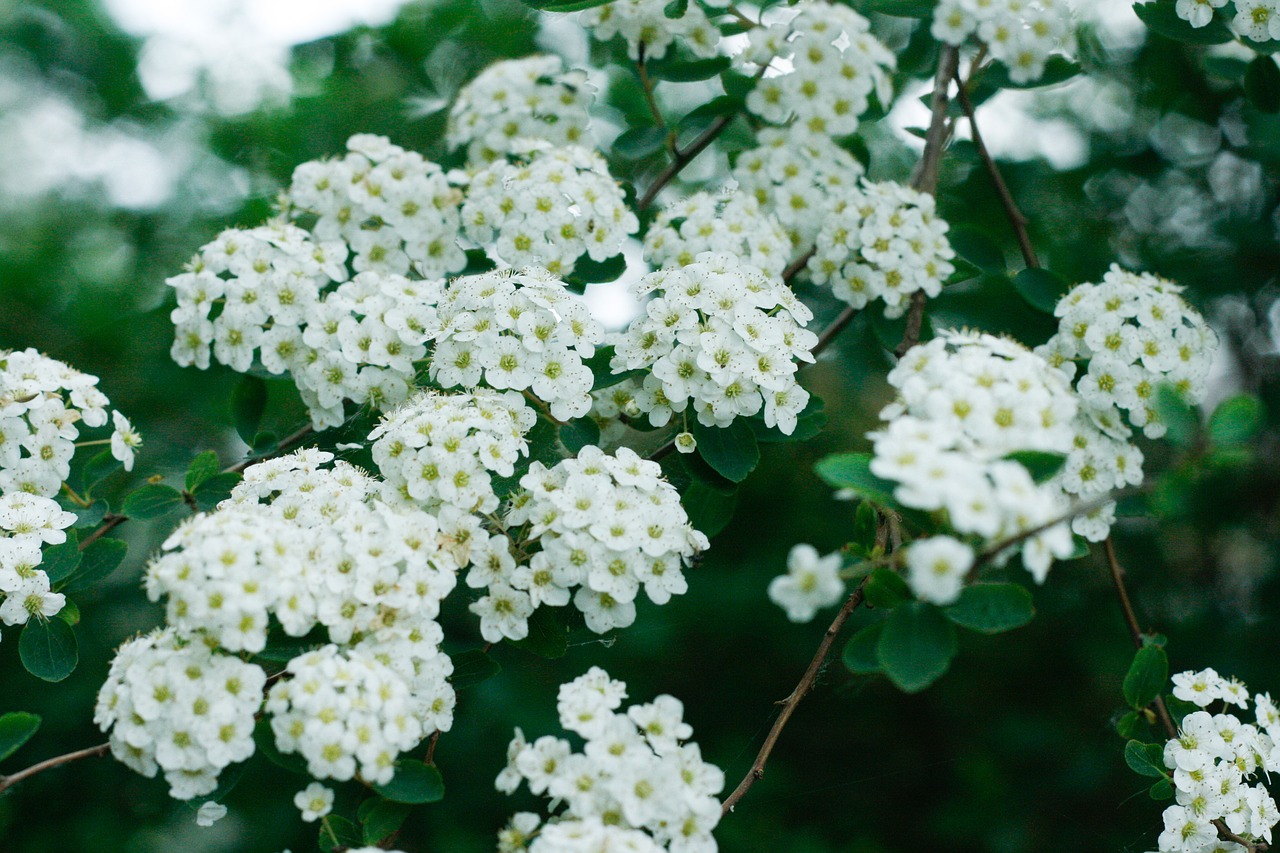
[
  {"x": 7, "y": 782},
  {"x": 287, "y": 443},
  {"x": 1226, "y": 834},
  {"x": 830, "y": 332},
  {"x": 642, "y": 69},
  {"x": 793, "y": 269},
  {"x": 110, "y": 522},
  {"x": 1135, "y": 632},
  {"x": 1016, "y": 217},
  {"x": 789, "y": 704}
]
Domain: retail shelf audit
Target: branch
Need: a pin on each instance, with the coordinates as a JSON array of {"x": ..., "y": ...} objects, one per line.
[
  {"x": 7, "y": 782},
  {"x": 287, "y": 443},
  {"x": 793, "y": 269},
  {"x": 789, "y": 704},
  {"x": 110, "y": 522},
  {"x": 1226, "y": 834},
  {"x": 1016, "y": 217},
  {"x": 646, "y": 83}
]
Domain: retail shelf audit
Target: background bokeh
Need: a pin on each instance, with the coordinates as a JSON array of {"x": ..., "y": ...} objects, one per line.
[{"x": 131, "y": 132}]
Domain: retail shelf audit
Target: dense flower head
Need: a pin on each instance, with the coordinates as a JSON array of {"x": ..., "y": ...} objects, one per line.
[
  {"x": 811, "y": 583},
  {"x": 1135, "y": 331},
  {"x": 179, "y": 707},
  {"x": 442, "y": 449},
  {"x": 1218, "y": 763},
  {"x": 605, "y": 525},
  {"x": 1258, "y": 20},
  {"x": 533, "y": 97},
  {"x": 549, "y": 210},
  {"x": 966, "y": 401},
  {"x": 722, "y": 335},
  {"x": 1019, "y": 33},
  {"x": 705, "y": 222},
  {"x": 1199, "y": 13},
  {"x": 27, "y": 523},
  {"x": 310, "y": 546},
  {"x": 43, "y": 402},
  {"x": 882, "y": 241},
  {"x": 646, "y": 22},
  {"x": 520, "y": 331},
  {"x": 835, "y": 67},
  {"x": 637, "y": 784},
  {"x": 798, "y": 177}
]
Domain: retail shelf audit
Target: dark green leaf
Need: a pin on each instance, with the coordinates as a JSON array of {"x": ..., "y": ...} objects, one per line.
[
  {"x": 963, "y": 271},
  {"x": 688, "y": 71},
  {"x": 701, "y": 116},
  {"x": 676, "y": 8},
  {"x": 1161, "y": 790},
  {"x": 1129, "y": 725},
  {"x": 866, "y": 526},
  {"x": 579, "y": 433},
  {"x": 91, "y": 515},
  {"x": 338, "y": 833},
  {"x": 151, "y": 501},
  {"x": 16, "y": 728},
  {"x": 1236, "y": 420},
  {"x": 99, "y": 468},
  {"x": 901, "y": 8},
  {"x": 381, "y": 819},
  {"x": 604, "y": 377},
  {"x": 70, "y": 612},
  {"x": 215, "y": 490},
  {"x": 859, "y": 655},
  {"x": 1041, "y": 465},
  {"x": 548, "y": 637},
  {"x": 853, "y": 471},
  {"x": 1145, "y": 759},
  {"x": 471, "y": 668},
  {"x": 916, "y": 646},
  {"x": 640, "y": 142},
  {"x": 265, "y": 741},
  {"x": 564, "y": 5},
  {"x": 732, "y": 451},
  {"x": 886, "y": 589},
  {"x": 248, "y": 402},
  {"x": 1146, "y": 677},
  {"x": 1161, "y": 17},
  {"x": 59, "y": 561},
  {"x": 97, "y": 561},
  {"x": 709, "y": 510},
  {"x": 1262, "y": 84},
  {"x": 975, "y": 246},
  {"x": 48, "y": 649},
  {"x": 413, "y": 782},
  {"x": 1173, "y": 411},
  {"x": 1041, "y": 288},
  {"x": 587, "y": 271},
  {"x": 1057, "y": 69},
  {"x": 204, "y": 466},
  {"x": 809, "y": 423},
  {"x": 992, "y": 607}
]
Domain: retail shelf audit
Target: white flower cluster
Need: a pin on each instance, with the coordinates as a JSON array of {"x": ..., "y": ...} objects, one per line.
[
  {"x": 42, "y": 401},
  {"x": 636, "y": 786},
  {"x": 440, "y": 449},
  {"x": 811, "y": 583},
  {"x": 965, "y": 402},
  {"x": 646, "y": 22},
  {"x": 529, "y": 98},
  {"x": 393, "y": 209},
  {"x": 1019, "y": 33},
  {"x": 798, "y": 177},
  {"x": 604, "y": 524},
  {"x": 835, "y": 66},
  {"x": 882, "y": 241},
  {"x": 549, "y": 211},
  {"x": 732, "y": 223},
  {"x": 1215, "y": 762},
  {"x": 27, "y": 523},
  {"x": 1258, "y": 20},
  {"x": 518, "y": 330},
  {"x": 723, "y": 335},
  {"x": 180, "y": 707}
]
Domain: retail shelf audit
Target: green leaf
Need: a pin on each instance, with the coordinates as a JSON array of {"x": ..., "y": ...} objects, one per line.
[
  {"x": 701, "y": 116},
  {"x": 1040, "y": 464},
  {"x": 472, "y": 667},
  {"x": 97, "y": 561},
  {"x": 381, "y": 819},
  {"x": 248, "y": 402},
  {"x": 853, "y": 471},
  {"x": 60, "y": 561},
  {"x": 1129, "y": 725},
  {"x": 1041, "y": 288},
  {"x": 215, "y": 490},
  {"x": 975, "y": 246},
  {"x": 1262, "y": 84},
  {"x": 151, "y": 501},
  {"x": 337, "y": 833},
  {"x": 70, "y": 612},
  {"x": 548, "y": 637},
  {"x": 886, "y": 589},
  {"x": 1161, "y": 790},
  {"x": 99, "y": 468},
  {"x": 16, "y": 728},
  {"x": 48, "y": 649},
  {"x": 709, "y": 510},
  {"x": 731, "y": 451},
  {"x": 265, "y": 741},
  {"x": 688, "y": 71},
  {"x": 860, "y": 656},
  {"x": 91, "y": 515},
  {"x": 639, "y": 142},
  {"x": 1236, "y": 420},
  {"x": 564, "y": 5},
  {"x": 579, "y": 433},
  {"x": 1057, "y": 69},
  {"x": 204, "y": 466},
  {"x": 901, "y": 8},
  {"x": 413, "y": 783},
  {"x": 1145, "y": 759},
  {"x": 809, "y": 423},
  {"x": 1174, "y": 412},
  {"x": 916, "y": 646},
  {"x": 1161, "y": 17},
  {"x": 866, "y": 526},
  {"x": 604, "y": 376},
  {"x": 676, "y": 9},
  {"x": 991, "y": 608},
  {"x": 1146, "y": 677}
]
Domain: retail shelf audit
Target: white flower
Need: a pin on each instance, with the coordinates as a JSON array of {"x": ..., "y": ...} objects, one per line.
[
  {"x": 315, "y": 801},
  {"x": 937, "y": 567},
  {"x": 124, "y": 440},
  {"x": 210, "y": 813},
  {"x": 811, "y": 583}
]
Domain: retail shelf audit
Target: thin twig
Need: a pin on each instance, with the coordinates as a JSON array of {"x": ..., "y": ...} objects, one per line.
[
  {"x": 9, "y": 781},
  {"x": 285, "y": 444},
  {"x": 789, "y": 704},
  {"x": 830, "y": 332},
  {"x": 1016, "y": 217},
  {"x": 793, "y": 269},
  {"x": 110, "y": 522},
  {"x": 1226, "y": 834},
  {"x": 642, "y": 69}
]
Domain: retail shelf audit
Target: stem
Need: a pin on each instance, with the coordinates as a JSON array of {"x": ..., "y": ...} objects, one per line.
[
  {"x": 647, "y": 84},
  {"x": 1016, "y": 217},
  {"x": 829, "y": 333},
  {"x": 110, "y": 522},
  {"x": 287, "y": 443},
  {"x": 789, "y": 704},
  {"x": 793, "y": 269},
  {"x": 7, "y": 782}
]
